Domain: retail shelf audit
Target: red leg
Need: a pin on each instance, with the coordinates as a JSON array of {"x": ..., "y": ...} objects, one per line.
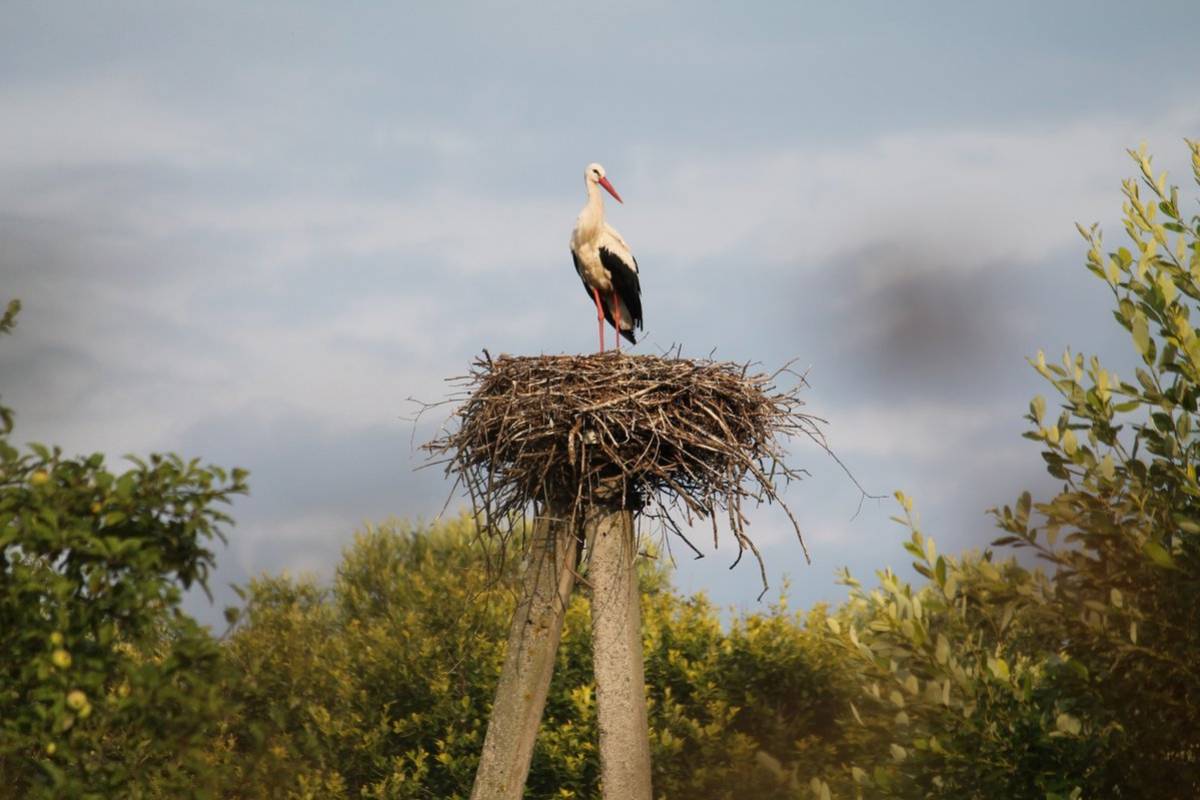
[
  {"x": 599, "y": 316},
  {"x": 617, "y": 319}
]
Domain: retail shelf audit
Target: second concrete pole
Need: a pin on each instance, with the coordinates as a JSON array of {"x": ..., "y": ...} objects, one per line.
[{"x": 617, "y": 656}]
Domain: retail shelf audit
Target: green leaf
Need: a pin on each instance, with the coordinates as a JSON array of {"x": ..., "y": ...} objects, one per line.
[
  {"x": 1037, "y": 408},
  {"x": 1107, "y": 468},
  {"x": 1141, "y": 333},
  {"x": 1024, "y": 503},
  {"x": 1158, "y": 554},
  {"x": 1166, "y": 288},
  {"x": 1186, "y": 523},
  {"x": 1068, "y": 724}
]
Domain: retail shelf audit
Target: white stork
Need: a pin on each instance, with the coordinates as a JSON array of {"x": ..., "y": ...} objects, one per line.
[{"x": 602, "y": 259}]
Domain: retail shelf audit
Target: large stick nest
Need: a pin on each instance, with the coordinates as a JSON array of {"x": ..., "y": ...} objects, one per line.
[{"x": 678, "y": 439}]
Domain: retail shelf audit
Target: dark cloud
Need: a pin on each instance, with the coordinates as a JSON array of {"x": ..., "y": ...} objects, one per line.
[
  {"x": 39, "y": 257},
  {"x": 907, "y": 317},
  {"x": 907, "y": 325},
  {"x": 913, "y": 322}
]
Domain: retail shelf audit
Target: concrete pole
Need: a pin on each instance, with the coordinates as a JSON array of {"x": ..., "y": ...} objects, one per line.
[
  {"x": 617, "y": 656},
  {"x": 529, "y": 660}
]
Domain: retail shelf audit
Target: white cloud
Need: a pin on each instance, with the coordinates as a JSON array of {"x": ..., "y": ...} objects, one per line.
[
  {"x": 921, "y": 432},
  {"x": 983, "y": 195},
  {"x": 154, "y": 362},
  {"x": 103, "y": 120},
  {"x": 454, "y": 227},
  {"x": 986, "y": 194}
]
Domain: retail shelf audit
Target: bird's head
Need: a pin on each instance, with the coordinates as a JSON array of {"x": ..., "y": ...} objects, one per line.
[{"x": 595, "y": 174}]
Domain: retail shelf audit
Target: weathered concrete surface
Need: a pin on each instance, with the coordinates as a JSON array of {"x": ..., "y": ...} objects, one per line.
[
  {"x": 528, "y": 662},
  {"x": 617, "y": 655}
]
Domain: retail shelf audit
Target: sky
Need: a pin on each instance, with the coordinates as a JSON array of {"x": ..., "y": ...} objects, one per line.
[{"x": 250, "y": 233}]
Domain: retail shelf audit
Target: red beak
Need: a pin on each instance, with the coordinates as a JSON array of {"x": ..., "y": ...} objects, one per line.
[{"x": 604, "y": 182}]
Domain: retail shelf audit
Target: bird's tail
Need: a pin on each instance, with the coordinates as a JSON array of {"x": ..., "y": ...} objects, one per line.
[{"x": 626, "y": 319}]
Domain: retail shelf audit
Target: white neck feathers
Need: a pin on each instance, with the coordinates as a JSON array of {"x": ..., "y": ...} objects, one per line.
[{"x": 591, "y": 218}]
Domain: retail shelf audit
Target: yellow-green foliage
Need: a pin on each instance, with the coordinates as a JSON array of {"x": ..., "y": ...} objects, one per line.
[
  {"x": 106, "y": 688},
  {"x": 964, "y": 690},
  {"x": 379, "y": 686},
  {"x": 993, "y": 680}
]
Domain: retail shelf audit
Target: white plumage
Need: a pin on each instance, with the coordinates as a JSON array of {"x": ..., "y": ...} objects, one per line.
[{"x": 605, "y": 264}]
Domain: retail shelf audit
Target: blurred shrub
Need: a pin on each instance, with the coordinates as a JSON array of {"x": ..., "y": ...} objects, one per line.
[
  {"x": 994, "y": 680},
  {"x": 379, "y": 686},
  {"x": 106, "y": 688}
]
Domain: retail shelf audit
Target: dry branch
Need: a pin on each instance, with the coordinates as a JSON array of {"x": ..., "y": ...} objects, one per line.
[{"x": 692, "y": 439}]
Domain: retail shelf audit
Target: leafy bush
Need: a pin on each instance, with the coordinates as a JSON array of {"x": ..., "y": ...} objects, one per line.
[
  {"x": 994, "y": 680},
  {"x": 106, "y": 688},
  {"x": 379, "y": 686}
]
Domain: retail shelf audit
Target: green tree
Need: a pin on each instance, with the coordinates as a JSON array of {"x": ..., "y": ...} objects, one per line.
[
  {"x": 376, "y": 686},
  {"x": 379, "y": 685},
  {"x": 106, "y": 688},
  {"x": 994, "y": 680}
]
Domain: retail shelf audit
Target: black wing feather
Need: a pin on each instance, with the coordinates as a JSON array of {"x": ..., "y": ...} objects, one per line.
[{"x": 627, "y": 286}]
